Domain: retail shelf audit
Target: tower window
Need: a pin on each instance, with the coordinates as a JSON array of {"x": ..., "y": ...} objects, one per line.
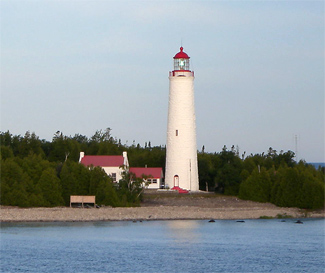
[{"x": 176, "y": 132}]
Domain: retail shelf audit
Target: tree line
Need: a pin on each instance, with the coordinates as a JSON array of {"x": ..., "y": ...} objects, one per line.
[
  {"x": 267, "y": 177},
  {"x": 37, "y": 172}
]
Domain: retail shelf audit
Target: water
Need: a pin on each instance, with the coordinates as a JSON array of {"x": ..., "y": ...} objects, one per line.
[
  {"x": 164, "y": 246},
  {"x": 317, "y": 165}
]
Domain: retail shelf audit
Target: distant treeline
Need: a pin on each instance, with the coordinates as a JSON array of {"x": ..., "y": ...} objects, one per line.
[{"x": 37, "y": 172}]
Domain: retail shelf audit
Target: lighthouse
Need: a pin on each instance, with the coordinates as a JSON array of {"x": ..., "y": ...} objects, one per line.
[{"x": 181, "y": 150}]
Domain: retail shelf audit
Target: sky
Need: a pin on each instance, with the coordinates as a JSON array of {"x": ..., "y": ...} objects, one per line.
[{"x": 82, "y": 66}]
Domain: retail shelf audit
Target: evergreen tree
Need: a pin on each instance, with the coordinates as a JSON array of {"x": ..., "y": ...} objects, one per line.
[
  {"x": 257, "y": 187},
  {"x": 5, "y": 152},
  {"x": 97, "y": 175},
  {"x": 13, "y": 184},
  {"x": 297, "y": 187},
  {"x": 106, "y": 194},
  {"x": 69, "y": 181},
  {"x": 51, "y": 189},
  {"x": 228, "y": 176}
]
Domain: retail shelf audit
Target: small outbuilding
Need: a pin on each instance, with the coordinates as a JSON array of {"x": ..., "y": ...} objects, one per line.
[{"x": 151, "y": 174}]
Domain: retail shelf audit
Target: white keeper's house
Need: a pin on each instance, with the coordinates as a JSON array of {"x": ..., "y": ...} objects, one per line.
[{"x": 114, "y": 165}]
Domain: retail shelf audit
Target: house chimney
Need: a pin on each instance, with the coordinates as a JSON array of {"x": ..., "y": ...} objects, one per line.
[
  {"x": 125, "y": 160},
  {"x": 82, "y": 155}
]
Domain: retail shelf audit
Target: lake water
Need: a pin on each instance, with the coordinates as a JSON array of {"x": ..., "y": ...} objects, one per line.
[{"x": 164, "y": 246}]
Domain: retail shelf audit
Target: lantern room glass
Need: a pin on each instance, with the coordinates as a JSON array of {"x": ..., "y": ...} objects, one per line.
[{"x": 181, "y": 64}]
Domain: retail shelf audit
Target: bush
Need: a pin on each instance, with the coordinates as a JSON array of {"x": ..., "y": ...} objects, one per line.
[
  {"x": 257, "y": 187},
  {"x": 298, "y": 187}
]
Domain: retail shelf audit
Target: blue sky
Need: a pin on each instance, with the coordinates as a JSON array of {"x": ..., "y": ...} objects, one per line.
[{"x": 80, "y": 66}]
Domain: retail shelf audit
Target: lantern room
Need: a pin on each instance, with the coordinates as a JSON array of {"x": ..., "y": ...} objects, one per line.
[{"x": 181, "y": 61}]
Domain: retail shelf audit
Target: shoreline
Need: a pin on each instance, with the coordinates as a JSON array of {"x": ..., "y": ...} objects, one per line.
[{"x": 67, "y": 214}]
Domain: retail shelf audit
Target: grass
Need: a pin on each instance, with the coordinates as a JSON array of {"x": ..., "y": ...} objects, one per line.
[
  {"x": 266, "y": 217},
  {"x": 283, "y": 216},
  {"x": 278, "y": 216}
]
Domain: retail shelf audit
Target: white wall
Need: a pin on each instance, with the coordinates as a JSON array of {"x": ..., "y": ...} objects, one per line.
[
  {"x": 154, "y": 185},
  {"x": 181, "y": 157},
  {"x": 117, "y": 170}
]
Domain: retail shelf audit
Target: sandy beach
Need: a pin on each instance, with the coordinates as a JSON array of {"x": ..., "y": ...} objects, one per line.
[{"x": 159, "y": 208}]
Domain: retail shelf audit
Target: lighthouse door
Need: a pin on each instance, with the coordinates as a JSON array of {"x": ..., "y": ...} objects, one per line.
[{"x": 176, "y": 181}]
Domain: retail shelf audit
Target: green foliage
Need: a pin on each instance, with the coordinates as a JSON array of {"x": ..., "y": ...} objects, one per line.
[
  {"x": 30, "y": 144},
  {"x": 106, "y": 194},
  {"x": 298, "y": 187},
  {"x": 14, "y": 184},
  {"x": 37, "y": 172},
  {"x": 283, "y": 216},
  {"x": 256, "y": 187},
  {"x": 50, "y": 187},
  {"x": 5, "y": 152},
  {"x": 266, "y": 217},
  {"x": 206, "y": 171},
  {"x": 40, "y": 173},
  {"x": 130, "y": 189},
  {"x": 221, "y": 171},
  {"x": 75, "y": 180}
]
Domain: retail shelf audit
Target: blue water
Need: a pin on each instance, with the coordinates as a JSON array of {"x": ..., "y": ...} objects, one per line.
[
  {"x": 164, "y": 246},
  {"x": 317, "y": 165}
]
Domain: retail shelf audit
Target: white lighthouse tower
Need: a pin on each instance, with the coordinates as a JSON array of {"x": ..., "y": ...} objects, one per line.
[{"x": 181, "y": 154}]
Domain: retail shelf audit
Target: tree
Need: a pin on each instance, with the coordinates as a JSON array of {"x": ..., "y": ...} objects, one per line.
[
  {"x": 228, "y": 176},
  {"x": 63, "y": 148},
  {"x": 298, "y": 187},
  {"x": 69, "y": 181},
  {"x": 34, "y": 165},
  {"x": 51, "y": 189},
  {"x": 14, "y": 183},
  {"x": 257, "y": 187},
  {"x": 5, "y": 152},
  {"x": 205, "y": 168},
  {"x": 97, "y": 175},
  {"x": 106, "y": 194},
  {"x": 130, "y": 189}
]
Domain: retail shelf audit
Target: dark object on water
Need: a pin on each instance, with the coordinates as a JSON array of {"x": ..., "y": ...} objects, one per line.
[
  {"x": 240, "y": 221},
  {"x": 298, "y": 222},
  {"x": 211, "y": 221},
  {"x": 282, "y": 221}
]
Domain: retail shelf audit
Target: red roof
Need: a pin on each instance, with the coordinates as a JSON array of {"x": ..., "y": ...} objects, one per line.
[
  {"x": 181, "y": 55},
  {"x": 152, "y": 172},
  {"x": 103, "y": 160}
]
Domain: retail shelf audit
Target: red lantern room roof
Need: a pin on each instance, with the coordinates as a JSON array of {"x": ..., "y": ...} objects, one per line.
[{"x": 181, "y": 55}]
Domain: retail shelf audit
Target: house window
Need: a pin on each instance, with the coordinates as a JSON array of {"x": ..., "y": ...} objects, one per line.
[
  {"x": 113, "y": 175},
  {"x": 149, "y": 180},
  {"x": 154, "y": 181},
  {"x": 176, "y": 132}
]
